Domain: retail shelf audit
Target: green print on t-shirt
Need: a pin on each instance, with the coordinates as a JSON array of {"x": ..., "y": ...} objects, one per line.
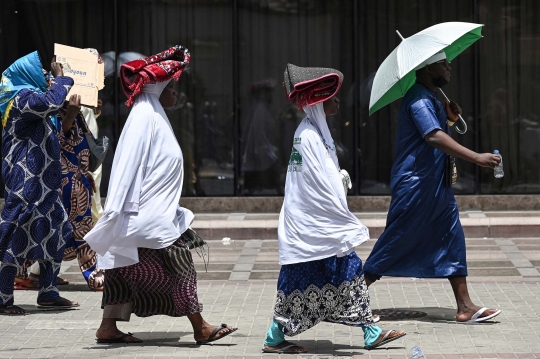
[{"x": 295, "y": 162}]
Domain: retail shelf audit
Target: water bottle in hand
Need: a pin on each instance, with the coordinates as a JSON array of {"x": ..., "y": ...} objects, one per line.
[
  {"x": 499, "y": 173},
  {"x": 416, "y": 353}
]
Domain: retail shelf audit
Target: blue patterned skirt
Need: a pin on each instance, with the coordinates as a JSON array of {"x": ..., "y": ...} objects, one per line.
[{"x": 331, "y": 289}]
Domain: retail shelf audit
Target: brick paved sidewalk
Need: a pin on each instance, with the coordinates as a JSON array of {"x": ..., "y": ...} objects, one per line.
[
  {"x": 70, "y": 334},
  {"x": 240, "y": 289},
  {"x": 489, "y": 259}
]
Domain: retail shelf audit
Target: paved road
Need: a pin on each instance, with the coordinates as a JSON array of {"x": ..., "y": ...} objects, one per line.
[{"x": 239, "y": 290}]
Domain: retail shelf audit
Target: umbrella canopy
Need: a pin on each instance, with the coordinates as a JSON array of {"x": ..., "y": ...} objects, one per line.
[{"x": 397, "y": 73}]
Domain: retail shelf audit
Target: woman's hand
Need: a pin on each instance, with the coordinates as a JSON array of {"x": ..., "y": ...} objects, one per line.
[
  {"x": 74, "y": 106},
  {"x": 72, "y": 110},
  {"x": 57, "y": 69}
]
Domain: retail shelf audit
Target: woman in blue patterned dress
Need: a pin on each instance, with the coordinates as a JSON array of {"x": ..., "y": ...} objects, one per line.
[
  {"x": 77, "y": 189},
  {"x": 34, "y": 224}
]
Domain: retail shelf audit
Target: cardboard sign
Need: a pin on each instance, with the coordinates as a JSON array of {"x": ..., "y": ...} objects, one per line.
[{"x": 83, "y": 67}]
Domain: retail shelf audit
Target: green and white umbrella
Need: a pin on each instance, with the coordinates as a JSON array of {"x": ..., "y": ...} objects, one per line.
[{"x": 397, "y": 73}]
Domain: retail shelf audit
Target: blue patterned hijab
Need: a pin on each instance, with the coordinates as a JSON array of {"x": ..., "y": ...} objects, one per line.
[{"x": 25, "y": 73}]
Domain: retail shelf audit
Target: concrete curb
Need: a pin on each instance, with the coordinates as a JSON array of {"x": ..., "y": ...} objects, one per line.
[
  {"x": 492, "y": 227},
  {"x": 357, "y": 203}
]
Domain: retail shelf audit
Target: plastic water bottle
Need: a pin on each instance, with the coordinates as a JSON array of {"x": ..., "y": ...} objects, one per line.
[
  {"x": 416, "y": 353},
  {"x": 499, "y": 173}
]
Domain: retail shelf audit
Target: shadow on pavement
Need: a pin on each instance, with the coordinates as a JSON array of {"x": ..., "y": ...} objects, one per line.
[
  {"x": 429, "y": 314},
  {"x": 326, "y": 347},
  {"x": 161, "y": 339},
  {"x": 34, "y": 310}
]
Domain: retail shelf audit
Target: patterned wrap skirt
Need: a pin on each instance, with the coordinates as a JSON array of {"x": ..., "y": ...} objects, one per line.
[
  {"x": 164, "y": 282},
  {"x": 331, "y": 290}
]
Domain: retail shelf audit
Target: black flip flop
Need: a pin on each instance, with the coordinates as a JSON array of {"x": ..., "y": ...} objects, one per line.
[
  {"x": 119, "y": 340},
  {"x": 285, "y": 350},
  {"x": 3, "y": 308},
  {"x": 214, "y": 333},
  {"x": 58, "y": 304},
  {"x": 56, "y": 307},
  {"x": 61, "y": 281},
  {"x": 385, "y": 340}
]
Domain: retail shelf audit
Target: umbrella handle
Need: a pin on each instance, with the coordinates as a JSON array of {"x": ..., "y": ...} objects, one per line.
[{"x": 461, "y": 132}]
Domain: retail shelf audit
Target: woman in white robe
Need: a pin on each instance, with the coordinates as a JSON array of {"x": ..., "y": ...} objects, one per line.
[
  {"x": 148, "y": 268},
  {"x": 321, "y": 277}
]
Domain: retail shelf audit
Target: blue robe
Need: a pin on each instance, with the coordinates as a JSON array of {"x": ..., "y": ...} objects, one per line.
[
  {"x": 423, "y": 237},
  {"x": 34, "y": 223}
]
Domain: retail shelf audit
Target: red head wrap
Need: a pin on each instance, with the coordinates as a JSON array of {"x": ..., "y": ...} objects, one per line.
[{"x": 164, "y": 66}]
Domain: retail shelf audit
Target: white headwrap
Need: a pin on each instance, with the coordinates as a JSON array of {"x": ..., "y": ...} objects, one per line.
[
  {"x": 155, "y": 88},
  {"x": 142, "y": 208},
  {"x": 316, "y": 114},
  {"x": 315, "y": 221}
]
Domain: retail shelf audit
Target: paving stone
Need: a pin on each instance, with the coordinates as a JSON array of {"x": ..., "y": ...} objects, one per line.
[
  {"x": 528, "y": 248},
  {"x": 213, "y": 275},
  {"x": 514, "y": 255},
  {"x": 510, "y": 248},
  {"x": 489, "y": 264},
  {"x": 529, "y": 272},
  {"x": 243, "y": 267},
  {"x": 521, "y": 263},
  {"x": 482, "y": 242},
  {"x": 272, "y": 266},
  {"x": 264, "y": 275},
  {"x": 215, "y": 267},
  {"x": 239, "y": 276},
  {"x": 499, "y": 272}
]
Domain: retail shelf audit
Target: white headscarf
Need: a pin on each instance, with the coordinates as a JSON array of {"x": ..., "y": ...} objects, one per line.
[
  {"x": 155, "y": 88},
  {"x": 142, "y": 208},
  {"x": 316, "y": 114}
]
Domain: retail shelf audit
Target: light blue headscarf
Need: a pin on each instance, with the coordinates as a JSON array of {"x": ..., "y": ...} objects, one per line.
[{"x": 25, "y": 73}]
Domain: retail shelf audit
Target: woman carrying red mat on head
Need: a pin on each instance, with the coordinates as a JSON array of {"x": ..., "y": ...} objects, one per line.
[{"x": 149, "y": 270}]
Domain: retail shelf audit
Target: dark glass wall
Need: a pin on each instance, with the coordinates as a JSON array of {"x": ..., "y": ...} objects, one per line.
[
  {"x": 509, "y": 75},
  {"x": 272, "y": 34},
  {"x": 232, "y": 120}
]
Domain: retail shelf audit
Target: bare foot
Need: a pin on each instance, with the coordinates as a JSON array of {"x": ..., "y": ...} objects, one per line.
[
  {"x": 115, "y": 334},
  {"x": 209, "y": 333},
  {"x": 13, "y": 310},
  {"x": 465, "y": 315},
  {"x": 285, "y": 347}
]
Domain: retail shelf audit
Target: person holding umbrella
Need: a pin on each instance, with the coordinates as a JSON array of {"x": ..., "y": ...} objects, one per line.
[{"x": 423, "y": 236}]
